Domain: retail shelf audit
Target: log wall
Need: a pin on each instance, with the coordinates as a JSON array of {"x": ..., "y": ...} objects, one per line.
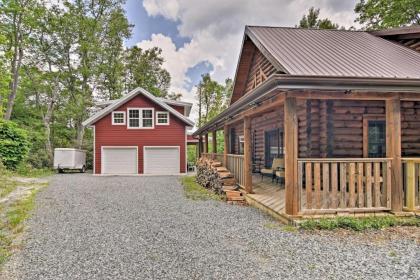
[
  {"x": 261, "y": 124},
  {"x": 259, "y": 71},
  {"x": 410, "y": 128},
  {"x": 333, "y": 128}
]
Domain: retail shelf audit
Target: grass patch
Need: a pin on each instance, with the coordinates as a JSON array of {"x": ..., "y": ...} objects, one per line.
[
  {"x": 6, "y": 185},
  {"x": 359, "y": 224},
  {"x": 194, "y": 191},
  {"x": 19, "y": 212},
  {"x": 12, "y": 223},
  {"x": 27, "y": 171}
]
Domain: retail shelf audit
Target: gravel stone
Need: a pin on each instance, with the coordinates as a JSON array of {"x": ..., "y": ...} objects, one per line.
[{"x": 92, "y": 227}]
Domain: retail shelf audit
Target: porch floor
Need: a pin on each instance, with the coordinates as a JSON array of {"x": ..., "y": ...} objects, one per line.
[{"x": 270, "y": 194}]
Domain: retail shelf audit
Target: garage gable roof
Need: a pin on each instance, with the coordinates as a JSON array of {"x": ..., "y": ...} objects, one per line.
[{"x": 107, "y": 110}]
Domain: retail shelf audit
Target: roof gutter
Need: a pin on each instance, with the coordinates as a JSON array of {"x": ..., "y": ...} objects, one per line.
[{"x": 286, "y": 82}]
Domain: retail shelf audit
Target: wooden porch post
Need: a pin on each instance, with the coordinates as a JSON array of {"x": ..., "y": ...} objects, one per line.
[
  {"x": 247, "y": 155},
  {"x": 291, "y": 153},
  {"x": 206, "y": 144},
  {"x": 393, "y": 150},
  {"x": 214, "y": 141},
  {"x": 200, "y": 145},
  {"x": 226, "y": 147}
]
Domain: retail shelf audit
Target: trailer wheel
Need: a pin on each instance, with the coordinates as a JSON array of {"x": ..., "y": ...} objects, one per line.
[
  {"x": 60, "y": 170},
  {"x": 83, "y": 170}
]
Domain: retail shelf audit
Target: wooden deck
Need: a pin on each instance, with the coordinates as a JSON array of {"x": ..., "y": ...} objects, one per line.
[
  {"x": 270, "y": 194},
  {"x": 269, "y": 197}
]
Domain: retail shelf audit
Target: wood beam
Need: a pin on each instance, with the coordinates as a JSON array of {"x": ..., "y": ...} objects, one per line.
[
  {"x": 200, "y": 145},
  {"x": 291, "y": 155},
  {"x": 214, "y": 141},
  {"x": 226, "y": 142},
  {"x": 265, "y": 107},
  {"x": 247, "y": 155},
  {"x": 353, "y": 95},
  {"x": 206, "y": 144},
  {"x": 393, "y": 150}
]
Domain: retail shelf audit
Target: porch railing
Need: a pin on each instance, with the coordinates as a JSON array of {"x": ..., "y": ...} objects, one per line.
[
  {"x": 218, "y": 157},
  {"x": 344, "y": 185},
  {"x": 235, "y": 164},
  {"x": 411, "y": 167}
]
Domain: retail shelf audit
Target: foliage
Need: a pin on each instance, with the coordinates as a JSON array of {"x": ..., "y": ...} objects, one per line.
[
  {"x": 58, "y": 58},
  {"x": 191, "y": 153},
  {"x": 380, "y": 14},
  {"x": 212, "y": 97},
  {"x": 194, "y": 191},
  {"x": 144, "y": 69},
  {"x": 14, "y": 144},
  {"x": 311, "y": 20},
  {"x": 358, "y": 224}
]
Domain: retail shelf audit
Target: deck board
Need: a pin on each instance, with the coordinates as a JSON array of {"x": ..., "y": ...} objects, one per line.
[{"x": 270, "y": 194}]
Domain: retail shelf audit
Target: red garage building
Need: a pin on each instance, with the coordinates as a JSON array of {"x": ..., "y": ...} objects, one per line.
[{"x": 141, "y": 134}]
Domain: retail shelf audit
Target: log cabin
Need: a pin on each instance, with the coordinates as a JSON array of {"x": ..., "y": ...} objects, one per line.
[{"x": 342, "y": 108}]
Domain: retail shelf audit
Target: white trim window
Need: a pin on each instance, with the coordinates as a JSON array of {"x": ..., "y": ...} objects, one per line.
[
  {"x": 162, "y": 118},
  {"x": 141, "y": 118},
  {"x": 118, "y": 118}
]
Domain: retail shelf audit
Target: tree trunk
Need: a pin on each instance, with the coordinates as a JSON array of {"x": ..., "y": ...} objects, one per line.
[
  {"x": 16, "y": 63},
  {"x": 80, "y": 133}
]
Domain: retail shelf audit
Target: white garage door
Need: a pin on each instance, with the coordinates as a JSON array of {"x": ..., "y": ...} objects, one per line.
[
  {"x": 161, "y": 160},
  {"x": 119, "y": 160}
]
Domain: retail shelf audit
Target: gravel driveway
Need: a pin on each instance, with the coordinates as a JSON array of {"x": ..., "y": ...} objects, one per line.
[{"x": 88, "y": 227}]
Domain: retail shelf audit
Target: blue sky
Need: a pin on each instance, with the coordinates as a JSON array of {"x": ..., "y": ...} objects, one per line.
[
  {"x": 198, "y": 37},
  {"x": 145, "y": 26}
]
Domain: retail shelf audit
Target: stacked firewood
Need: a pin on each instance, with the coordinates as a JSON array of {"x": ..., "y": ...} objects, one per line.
[{"x": 212, "y": 175}]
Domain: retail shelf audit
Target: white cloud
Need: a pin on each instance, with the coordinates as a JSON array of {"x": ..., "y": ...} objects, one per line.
[{"x": 216, "y": 30}]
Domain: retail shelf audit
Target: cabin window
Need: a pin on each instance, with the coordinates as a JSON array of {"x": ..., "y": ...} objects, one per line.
[
  {"x": 118, "y": 118},
  {"x": 273, "y": 146},
  {"x": 241, "y": 144},
  {"x": 376, "y": 139},
  {"x": 374, "y": 136},
  {"x": 162, "y": 118},
  {"x": 232, "y": 137},
  {"x": 140, "y": 118}
]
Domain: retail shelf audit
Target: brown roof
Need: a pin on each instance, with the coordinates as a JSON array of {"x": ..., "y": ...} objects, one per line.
[
  {"x": 315, "y": 52},
  {"x": 406, "y": 30}
]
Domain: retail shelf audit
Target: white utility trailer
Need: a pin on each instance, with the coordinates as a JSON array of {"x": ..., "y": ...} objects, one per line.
[{"x": 69, "y": 159}]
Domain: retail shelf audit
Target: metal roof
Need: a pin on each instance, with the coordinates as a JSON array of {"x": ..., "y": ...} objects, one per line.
[
  {"x": 316, "y": 52},
  {"x": 413, "y": 29}
]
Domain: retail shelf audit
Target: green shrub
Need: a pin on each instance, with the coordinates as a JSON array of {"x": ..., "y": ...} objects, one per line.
[
  {"x": 359, "y": 224},
  {"x": 14, "y": 144}
]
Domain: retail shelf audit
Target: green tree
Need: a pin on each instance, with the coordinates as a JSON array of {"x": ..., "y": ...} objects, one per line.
[
  {"x": 311, "y": 20},
  {"x": 143, "y": 68},
  {"x": 212, "y": 97},
  {"x": 380, "y": 14},
  {"x": 18, "y": 18},
  {"x": 111, "y": 66}
]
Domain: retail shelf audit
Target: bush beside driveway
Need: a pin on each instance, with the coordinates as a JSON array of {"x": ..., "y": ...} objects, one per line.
[{"x": 92, "y": 227}]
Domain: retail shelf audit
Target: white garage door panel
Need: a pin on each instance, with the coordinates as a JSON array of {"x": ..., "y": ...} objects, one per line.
[
  {"x": 161, "y": 160},
  {"x": 119, "y": 161}
]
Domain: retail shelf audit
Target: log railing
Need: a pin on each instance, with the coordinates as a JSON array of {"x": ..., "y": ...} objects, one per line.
[
  {"x": 235, "y": 164},
  {"x": 411, "y": 167},
  {"x": 218, "y": 157},
  {"x": 206, "y": 155},
  {"x": 344, "y": 185}
]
